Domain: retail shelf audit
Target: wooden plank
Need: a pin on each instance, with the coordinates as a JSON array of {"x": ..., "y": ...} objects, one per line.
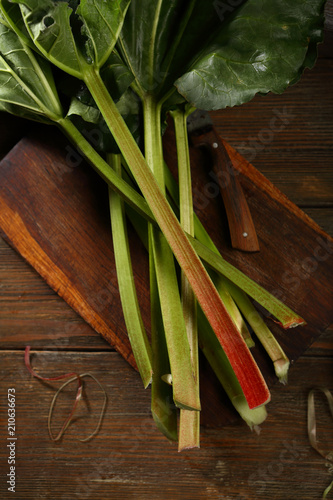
[
  {"x": 288, "y": 137},
  {"x": 95, "y": 297},
  {"x": 32, "y": 313},
  {"x": 303, "y": 182},
  {"x": 130, "y": 458},
  {"x": 323, "y": 217},
  {"x": 323, "y": 346}
]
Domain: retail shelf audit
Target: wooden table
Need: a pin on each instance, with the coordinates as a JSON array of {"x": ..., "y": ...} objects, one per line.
[{"x": 129, "y": 458}]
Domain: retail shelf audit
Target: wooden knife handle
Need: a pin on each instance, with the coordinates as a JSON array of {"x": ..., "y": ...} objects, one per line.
[{"x": 242, "y": 231}]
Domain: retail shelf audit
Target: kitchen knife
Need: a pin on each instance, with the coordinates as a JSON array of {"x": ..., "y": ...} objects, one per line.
[{"x": 203, "y": 134}]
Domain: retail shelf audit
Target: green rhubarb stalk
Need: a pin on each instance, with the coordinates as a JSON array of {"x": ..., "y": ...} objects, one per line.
[
  {"x": 286, "y": 316},
  {"x": 189, "y": 424},
  {"x": 266, "y": 337},
  {"x": 129, "y": 300},
  {"x": 163, "y": 410},
  {"x": 122, "y": 187},
  {"x": 245, "y": 367},
  {"x": 162, "y": 407},
  {"x": 185, "y": 392},
  {"x": 134, "y": 199}
]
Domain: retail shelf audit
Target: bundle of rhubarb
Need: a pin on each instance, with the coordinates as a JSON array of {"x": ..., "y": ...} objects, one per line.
[{"x": 120, "y": 67}]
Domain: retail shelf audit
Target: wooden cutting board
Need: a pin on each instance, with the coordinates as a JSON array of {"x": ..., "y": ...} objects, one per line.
[{"x": 54, "y": 212}]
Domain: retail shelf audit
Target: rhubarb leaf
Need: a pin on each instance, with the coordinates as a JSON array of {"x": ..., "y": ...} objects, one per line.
[
  {"x": 102, "y": 22},
  {"x": 25, "y": 78},
  {"x": 87, "y": 30},
  {"x": 248, "y": 48},
  {"x": 89, "y": 114},
  {"x": 11, "y": 15},
  {"x": 160, "y": 38},
  {"x": 262, "y": 47}
]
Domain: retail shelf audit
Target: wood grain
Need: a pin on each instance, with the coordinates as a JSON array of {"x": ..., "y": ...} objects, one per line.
[
  {"x": 301, "y": 167},
  {"x": 31, "y": 312},
  {"x": 130, "y": 459}
]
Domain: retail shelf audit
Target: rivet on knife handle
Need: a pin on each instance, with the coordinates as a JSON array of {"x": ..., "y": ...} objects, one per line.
[{"x": 242, "y": 231}]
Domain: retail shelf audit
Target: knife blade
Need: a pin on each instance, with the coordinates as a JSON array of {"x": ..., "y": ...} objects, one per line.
[{"x": 202, "y": 133}]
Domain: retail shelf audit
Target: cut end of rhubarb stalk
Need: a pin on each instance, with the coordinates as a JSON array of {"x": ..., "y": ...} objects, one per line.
[
  {"x": 245, "y": 367},
  {"x": 148, "y": 381},
  {"x": 187, "y": 447},
  {"x": 292, "y": 323},
  {"x": 281, "y": 367},
  {"x": 167, "y": 431},
  {"x": 253, "y": 417},
  {"x": 167, "y": 378},
  {"x": 165, "y": 418},
  {"x": 189, "y": 430}
]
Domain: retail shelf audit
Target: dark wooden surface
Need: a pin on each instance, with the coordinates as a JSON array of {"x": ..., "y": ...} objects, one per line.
[{"x": 129, "y": 458}]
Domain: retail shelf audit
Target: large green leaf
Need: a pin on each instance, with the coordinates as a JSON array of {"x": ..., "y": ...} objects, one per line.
[
  {"x": 102, "y": 22},
  {"x": 159, "y": 39},
  {"x": 219, "y": 53},
  {"x": 148, "y": 30},
  {"x": 263, "y": 46},
  {"x": 25, "y": 78},
  {"x": 73, "y": 34}
]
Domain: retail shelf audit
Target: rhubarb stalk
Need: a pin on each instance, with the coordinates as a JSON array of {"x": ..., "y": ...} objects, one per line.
[
  {"x": 129, "y": 301},
  {"x": 189, "y": 425}
]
